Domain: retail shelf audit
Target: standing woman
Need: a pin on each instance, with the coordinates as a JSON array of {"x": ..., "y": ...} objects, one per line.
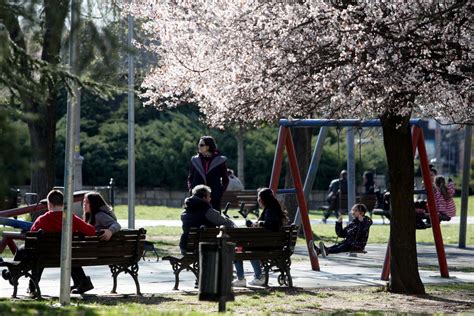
[
  {"x": 208, "y": 167},
  {"x": 100, "y": 215},
  {"x": 272, "y": 218}
]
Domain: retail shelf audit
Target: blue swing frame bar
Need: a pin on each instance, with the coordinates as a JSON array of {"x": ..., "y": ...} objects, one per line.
[{"x": 338, "y": 123}]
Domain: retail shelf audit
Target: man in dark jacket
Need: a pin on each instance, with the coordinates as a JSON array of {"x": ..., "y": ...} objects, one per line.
[
  {"x": 337, "y": 187},
  {"x": 198, "y": 212},
  {"x": 356, "y": 233}
]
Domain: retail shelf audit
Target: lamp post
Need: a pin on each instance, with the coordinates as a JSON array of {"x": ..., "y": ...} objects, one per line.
[
  {"x": 72, "y": 110},
  {"x": 131, "y": 129}
]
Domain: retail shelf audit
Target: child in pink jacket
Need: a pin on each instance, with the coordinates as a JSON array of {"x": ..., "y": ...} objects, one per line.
[{"x": 444, "y": 198}]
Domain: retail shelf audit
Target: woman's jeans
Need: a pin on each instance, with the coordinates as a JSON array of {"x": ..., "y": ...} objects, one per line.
[
  {"x": 337, "y": 248},
  {"x": 16, "y": 223},
  {"x": 239, "y": 268}
]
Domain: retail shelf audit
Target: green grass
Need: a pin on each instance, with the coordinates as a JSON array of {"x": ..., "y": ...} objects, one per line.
[
  {"x": 318, "y": 214},
  {"x": 470, "y": 205},
  {"x": 166, "y": 239},
  {"x": 173, "y": 213},
  {"x": 149, "y": 212},
  {"x": 379, "y": 234}
]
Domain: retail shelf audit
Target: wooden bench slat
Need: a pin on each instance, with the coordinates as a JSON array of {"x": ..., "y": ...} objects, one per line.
[
  {"x": 90, "y": 252},
  {"x": 236, "y": 198}
]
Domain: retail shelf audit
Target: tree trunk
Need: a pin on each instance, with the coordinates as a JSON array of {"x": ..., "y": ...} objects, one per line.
[
  {"x": 404, "y": 263},
  {"x": 42, "y": 127},
  {"x": 41, "y": 106},
  {"x": 42, "y": 138},
  {"x": 240, "y": 154},
  {"x": 302, "y": 141}
]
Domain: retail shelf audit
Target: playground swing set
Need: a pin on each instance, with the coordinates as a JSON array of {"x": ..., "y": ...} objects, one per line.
[{"x": 302, "y": 191}]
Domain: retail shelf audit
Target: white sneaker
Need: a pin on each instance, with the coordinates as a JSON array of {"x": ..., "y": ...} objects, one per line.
[
  {"x": 239, "y": 282},
  {"x": 257, "y": 282}
]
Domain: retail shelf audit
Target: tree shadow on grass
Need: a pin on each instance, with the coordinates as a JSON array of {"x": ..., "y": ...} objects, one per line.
[
  {"x": 110, "y": 300},
  {"x": 30, "y": 307},
  {"x": 447, "y": 300},
  {"x": 263, "y": 292}
]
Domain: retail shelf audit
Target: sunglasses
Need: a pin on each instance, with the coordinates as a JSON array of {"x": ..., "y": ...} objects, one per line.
[{"x": 202, "y": 145}]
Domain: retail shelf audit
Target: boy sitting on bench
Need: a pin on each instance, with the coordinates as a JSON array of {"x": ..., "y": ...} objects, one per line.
[{"x": 356, "y": 233}]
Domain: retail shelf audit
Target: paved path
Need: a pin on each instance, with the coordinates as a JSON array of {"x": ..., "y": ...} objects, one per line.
[
  {"x": 336, "y": 271},
  {"x": 240, "y": 222}
]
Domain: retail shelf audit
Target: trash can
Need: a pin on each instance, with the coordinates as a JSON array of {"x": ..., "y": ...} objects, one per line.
[{"x": 215, "y": 270}]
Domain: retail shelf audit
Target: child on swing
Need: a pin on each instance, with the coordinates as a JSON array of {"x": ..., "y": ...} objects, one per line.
[{"x": 356, "y": 233}]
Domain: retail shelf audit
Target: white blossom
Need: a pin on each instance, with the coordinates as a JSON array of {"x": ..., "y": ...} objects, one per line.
[{"x": 256, "y": 61}]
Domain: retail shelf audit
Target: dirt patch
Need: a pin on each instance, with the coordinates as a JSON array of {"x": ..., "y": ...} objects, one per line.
[
  {"x": 439, "y": 299},
  {"x": 370, "y": 299}
]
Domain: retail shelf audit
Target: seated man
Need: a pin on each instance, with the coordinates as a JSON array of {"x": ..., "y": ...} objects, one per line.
[
  {"x": 199, "y": 212},
  {"x": 51, "y": 222},
  {"x": 356, "y": 233},
  {"x": 336, "y": 188}
]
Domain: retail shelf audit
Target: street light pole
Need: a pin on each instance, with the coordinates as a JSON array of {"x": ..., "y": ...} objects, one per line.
[
  {"x": 131, "y": 129},
  {"x": 72, "y": 110},
  {"x": 351, "y": 177},
  {"x": 465, "y": 185}
]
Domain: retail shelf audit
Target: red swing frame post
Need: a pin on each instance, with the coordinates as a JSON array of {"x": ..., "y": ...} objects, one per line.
[
  {"x": 285, "y": 141},
  {"x": 418, "y": 142}
]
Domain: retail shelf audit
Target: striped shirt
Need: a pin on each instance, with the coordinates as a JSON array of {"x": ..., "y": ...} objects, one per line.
[{"x": 445, "y": 206}]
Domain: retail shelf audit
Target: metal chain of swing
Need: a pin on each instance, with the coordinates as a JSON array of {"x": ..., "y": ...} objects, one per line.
[
  {"x": 359, "y": 131},
  {"x": 450, "y": 153},
  {"x": 338, "y": 131}
]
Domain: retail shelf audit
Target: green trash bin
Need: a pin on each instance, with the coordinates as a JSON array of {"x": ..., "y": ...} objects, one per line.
[{"x": 215, "y": 271}]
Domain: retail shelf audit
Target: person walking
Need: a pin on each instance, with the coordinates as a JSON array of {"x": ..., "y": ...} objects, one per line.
[{"x": 337, "y": 187}]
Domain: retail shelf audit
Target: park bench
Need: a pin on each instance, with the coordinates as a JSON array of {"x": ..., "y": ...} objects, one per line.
[
  {"x": 236, "y": 198},
  {"x": 273, "y": 249},
  {"x": 42, "y": 250}
]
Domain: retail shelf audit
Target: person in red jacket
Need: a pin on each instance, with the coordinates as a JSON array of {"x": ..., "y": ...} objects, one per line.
[{"x": 51, "y": 222}]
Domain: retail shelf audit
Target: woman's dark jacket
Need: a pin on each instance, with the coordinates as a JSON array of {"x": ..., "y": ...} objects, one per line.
[
  {"x": 212, "y": 172},
  {"x": 271, "y": 219},
  {"x": 355, "y": 233},
  {"x": 197, "y": 213}
]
